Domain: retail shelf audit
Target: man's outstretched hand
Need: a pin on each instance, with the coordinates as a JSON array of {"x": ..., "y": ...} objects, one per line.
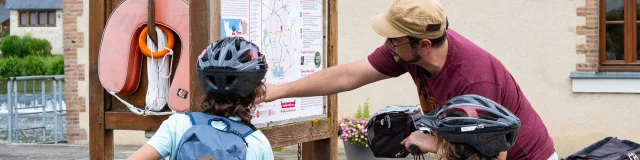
[{"x": 271, "y": 93}]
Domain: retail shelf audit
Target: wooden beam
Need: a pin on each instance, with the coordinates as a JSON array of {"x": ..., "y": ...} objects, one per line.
[
  {"x": 101, "y": 140},
  {"x": 333, "y": 61},
  {"x": 294, "y": 133},
  {"x": 278, "y": 136},
  {"x": 216, "y": 29},
  {"x": 199, "y": 38},
  {"x": 131, "y": 121}
]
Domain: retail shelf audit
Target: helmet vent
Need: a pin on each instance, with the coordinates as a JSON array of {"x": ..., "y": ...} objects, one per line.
[
  {"x": 502, "y": 111},
  {"x": 230, "y": 80},
  {"x": 459, "y": 101},
  {"x": 510, "y": 137},
  {"x": 487, "y": 116},
  {"x": 481, "y": 101},
  {"x": 244, "y": 58},
  {"x": 216, "y": 56},
  {"x": 212, "y": 79},
  {"x": 205, "y": 58},
  {"x": 237, "y": 45},
  {"x": 228, "y": 56},
  {"x": 457, "y": 113}
]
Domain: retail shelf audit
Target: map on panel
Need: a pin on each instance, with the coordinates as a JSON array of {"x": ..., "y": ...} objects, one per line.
[
  {"x": 281, "y": 29},
  {"x": 290, "y": 34}
]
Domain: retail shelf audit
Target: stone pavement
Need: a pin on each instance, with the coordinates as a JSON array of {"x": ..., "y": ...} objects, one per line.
[{"x": 72, "y": 152}]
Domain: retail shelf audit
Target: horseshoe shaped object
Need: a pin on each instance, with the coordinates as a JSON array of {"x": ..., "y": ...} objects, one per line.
[{"x": 120, "y": 58}]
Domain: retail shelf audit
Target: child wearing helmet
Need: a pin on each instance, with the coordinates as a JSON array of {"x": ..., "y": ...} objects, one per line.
[
  {"x": 230, "y": 72},
  {"x": 469, "y": 127}
]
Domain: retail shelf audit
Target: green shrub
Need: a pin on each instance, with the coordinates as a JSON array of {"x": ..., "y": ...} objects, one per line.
[
  {"x": 35, "y": 65},
  {"x": 37, "y": 46},
  {"x": 22, "y": 46},
  {"x": 12, "y": 46},
  {"x": 54, "y": 65},
  {"x": 31, "y": 66},
  {"x": 363, "y": 112},
  {"x": 1, "y": 67},
  {"x": 11, "y": 67}
]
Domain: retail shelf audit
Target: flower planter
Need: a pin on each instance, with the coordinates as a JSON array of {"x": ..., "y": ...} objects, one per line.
[{"x": 355, "y": 152}]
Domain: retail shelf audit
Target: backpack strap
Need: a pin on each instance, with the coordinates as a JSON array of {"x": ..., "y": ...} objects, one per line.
[{"x": 242, "y": 129}]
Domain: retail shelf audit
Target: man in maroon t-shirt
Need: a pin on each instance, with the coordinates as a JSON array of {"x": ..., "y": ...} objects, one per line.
[{"x": 438, "y": 59}]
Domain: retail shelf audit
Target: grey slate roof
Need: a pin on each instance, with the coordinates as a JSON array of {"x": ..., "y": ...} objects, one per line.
[
  {"x": 33, "y": 4},
  {"x": 4, "y": 14}
]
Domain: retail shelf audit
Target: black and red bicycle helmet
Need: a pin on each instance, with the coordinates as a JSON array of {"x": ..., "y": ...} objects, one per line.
[
  {"x": 476, "y": 121},
  {"x": 231, "y": 66}
]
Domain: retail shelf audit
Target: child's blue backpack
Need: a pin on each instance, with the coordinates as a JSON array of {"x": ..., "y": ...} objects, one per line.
[{"x": 203, "y": 141}]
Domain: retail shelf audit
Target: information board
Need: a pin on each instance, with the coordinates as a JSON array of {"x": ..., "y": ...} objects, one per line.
[{"x": 291, "y": 35}]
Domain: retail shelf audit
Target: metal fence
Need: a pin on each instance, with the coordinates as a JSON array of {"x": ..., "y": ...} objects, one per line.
[{"x": 33, "y": 98}]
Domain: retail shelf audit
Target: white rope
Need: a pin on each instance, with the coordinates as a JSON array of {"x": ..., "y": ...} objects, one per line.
[
  {"x": 137, "y": 110},
  {"x": 158, "y": 74}
]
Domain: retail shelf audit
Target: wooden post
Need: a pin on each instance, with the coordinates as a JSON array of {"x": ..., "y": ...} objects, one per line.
[
  {"x": 101, "y": 140},
  {"x": 199, "y": 37},
  {"x": 333, "y": 61},
  {"x": 328, "y": 148}
]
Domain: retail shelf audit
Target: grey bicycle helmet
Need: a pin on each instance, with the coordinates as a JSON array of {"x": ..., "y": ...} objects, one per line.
[
  {"x": 231, "y": 66},
  {"x": 475, "y": 121}
]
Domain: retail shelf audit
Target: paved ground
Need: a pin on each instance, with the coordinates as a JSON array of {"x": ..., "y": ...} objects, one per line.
[{"x": 73, "y": 152}]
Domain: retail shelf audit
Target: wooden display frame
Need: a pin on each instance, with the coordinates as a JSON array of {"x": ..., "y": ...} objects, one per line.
[{"x": 318, "y": 137}]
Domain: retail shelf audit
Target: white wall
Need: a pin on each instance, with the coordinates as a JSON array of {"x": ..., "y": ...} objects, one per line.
[
  {"x": 82, "y": 22},
  {"x": 536, "y": 41},
  {"x": 52, "y": 34}
]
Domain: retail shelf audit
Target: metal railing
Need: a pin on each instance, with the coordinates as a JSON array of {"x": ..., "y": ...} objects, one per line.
[{"x": 29, "y": 103}]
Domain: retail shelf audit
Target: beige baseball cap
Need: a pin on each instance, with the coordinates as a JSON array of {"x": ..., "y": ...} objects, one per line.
[{"x": 416, "y": 18}]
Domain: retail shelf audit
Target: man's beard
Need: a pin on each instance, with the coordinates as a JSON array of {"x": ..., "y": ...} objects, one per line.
[{"x": 414, "y": 54}]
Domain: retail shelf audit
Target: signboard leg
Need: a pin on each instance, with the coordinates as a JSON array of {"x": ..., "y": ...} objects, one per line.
[
  {"x": 317, "y": 150},
  {"x": 101, "y": 140}
]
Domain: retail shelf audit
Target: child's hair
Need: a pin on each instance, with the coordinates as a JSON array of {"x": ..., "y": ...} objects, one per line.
[
  {"x": 447, "y": 151},
  {"x": 232, "y": 105}
]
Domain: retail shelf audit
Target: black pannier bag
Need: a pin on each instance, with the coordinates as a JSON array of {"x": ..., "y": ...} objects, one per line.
[
  {"x": 388, "y": 127},
  {"x": 609, "y": 148}
]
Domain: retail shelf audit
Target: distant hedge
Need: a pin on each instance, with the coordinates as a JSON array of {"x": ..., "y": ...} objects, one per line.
[
  {"x": 31, "y": 66},
  {"x": 25, "y": 45}
]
